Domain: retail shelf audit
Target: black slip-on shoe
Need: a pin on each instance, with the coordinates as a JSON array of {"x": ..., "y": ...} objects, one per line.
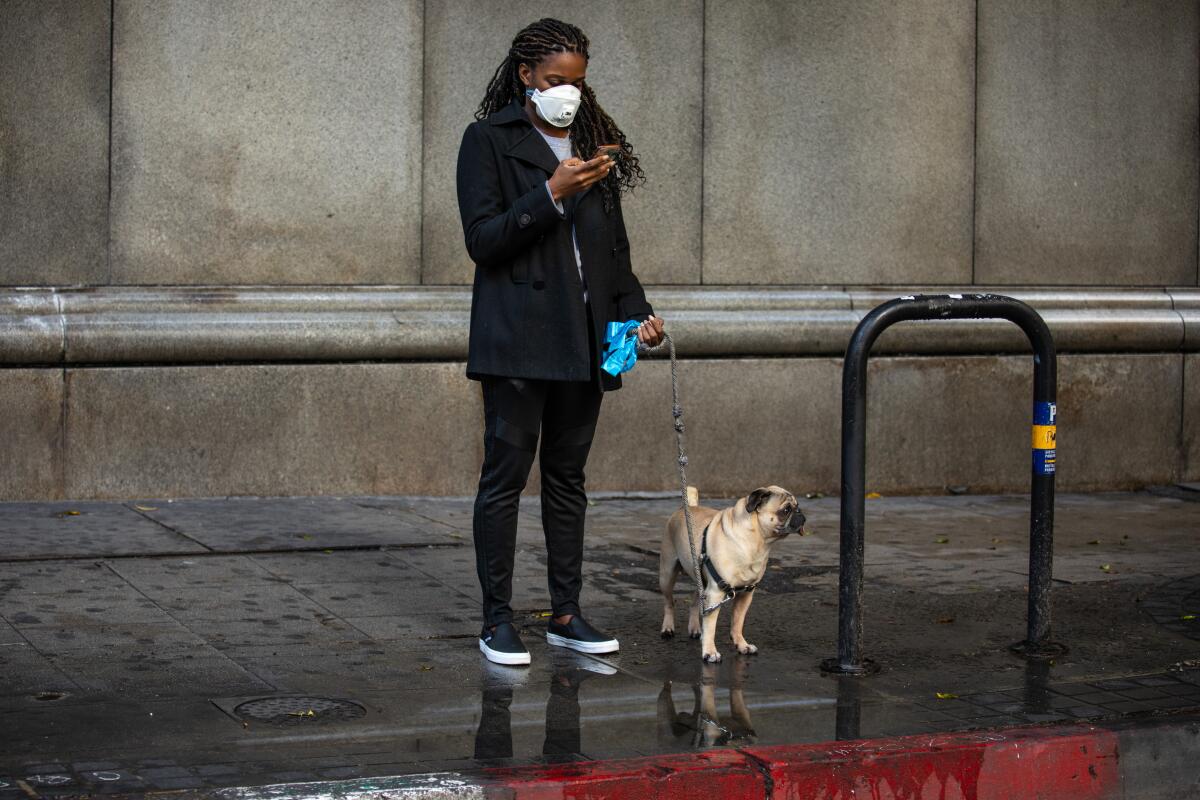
[
  {"x": 503, "y": 645},
  {"x": 580, "y": 636}
]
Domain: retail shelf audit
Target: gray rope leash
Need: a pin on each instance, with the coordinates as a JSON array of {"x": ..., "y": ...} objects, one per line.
[{"x": 677, "y": 413}]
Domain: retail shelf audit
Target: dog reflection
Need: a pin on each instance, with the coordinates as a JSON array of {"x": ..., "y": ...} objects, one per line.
[{"x": 702, "y": 727}]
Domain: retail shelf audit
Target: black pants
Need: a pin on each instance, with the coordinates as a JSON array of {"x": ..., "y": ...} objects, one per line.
[{"x": 514, "y": 411}]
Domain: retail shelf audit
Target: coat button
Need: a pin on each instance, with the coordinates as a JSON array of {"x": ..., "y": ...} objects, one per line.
[{"x": 524, "y": 220}]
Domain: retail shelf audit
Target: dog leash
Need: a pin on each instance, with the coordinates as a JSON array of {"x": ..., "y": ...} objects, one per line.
[{"x": 677, "y": 413}]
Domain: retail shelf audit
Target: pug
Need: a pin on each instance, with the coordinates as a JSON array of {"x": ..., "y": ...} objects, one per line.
[{"x": 736, "y": 543}]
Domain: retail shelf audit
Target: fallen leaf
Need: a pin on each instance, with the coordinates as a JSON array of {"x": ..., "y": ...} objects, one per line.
[
  {"x": 813, "y": 496},
  {"x": 309, "y": 713},
  {"x": 1106, "y": 567},
  {"x": 946, "y": 696},
  {"x": 1187, "y": 617},
  {"x": 1094, "y": 541},
  {"x": 426, "y": 668},
  {"x": 945, "y": 620},
  {"x": 327, "y": 551},
  {"x": 306, "y": 536},
  {"x": 544, "y": 614},
  {"x": 995, "y": 541},
  {"x": 146, "y": 508},
  {"x": 941, "y": 540},
  {"x": 873, "y": 495},
  {"x": 69, "y": 513},
  {"x": 591, "y": 502}
]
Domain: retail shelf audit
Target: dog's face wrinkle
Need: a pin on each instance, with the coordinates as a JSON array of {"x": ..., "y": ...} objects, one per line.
[{"x": 782, "y": 515}]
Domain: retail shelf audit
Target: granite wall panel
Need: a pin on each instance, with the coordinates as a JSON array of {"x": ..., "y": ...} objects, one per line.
[
  {"x": 272, "y": 430},
  {"x": 838, "y": 142},
  {"x": 31, "y": 433},
  {"x": 54, "y": 78},
  {"x": 275, "y": 143},
  {"x": 1087, "y": 149}
]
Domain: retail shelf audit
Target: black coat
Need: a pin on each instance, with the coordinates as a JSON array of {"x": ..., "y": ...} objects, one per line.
[{"x": 528, "y": 318}]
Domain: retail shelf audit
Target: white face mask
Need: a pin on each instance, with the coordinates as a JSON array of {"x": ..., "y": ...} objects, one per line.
[{"x": 557, "y": 105}]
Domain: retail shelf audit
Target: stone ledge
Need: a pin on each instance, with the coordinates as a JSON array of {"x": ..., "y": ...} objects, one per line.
[{"x": 201, "y": 325}]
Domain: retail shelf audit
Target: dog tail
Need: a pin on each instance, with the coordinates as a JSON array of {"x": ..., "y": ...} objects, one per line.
[{"x": 693, "y": 496}]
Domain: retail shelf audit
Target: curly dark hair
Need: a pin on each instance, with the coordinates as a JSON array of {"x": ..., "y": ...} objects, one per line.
[{"x": 591, "y": 127}]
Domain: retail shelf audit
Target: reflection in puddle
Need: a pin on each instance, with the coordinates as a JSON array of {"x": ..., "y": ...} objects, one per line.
[
  {"x": 702, "y": 726},
  {"x": 493, "y": 739}
]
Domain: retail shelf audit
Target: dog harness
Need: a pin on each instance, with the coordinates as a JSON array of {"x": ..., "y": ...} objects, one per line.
[{"x": 706, "y": 564}]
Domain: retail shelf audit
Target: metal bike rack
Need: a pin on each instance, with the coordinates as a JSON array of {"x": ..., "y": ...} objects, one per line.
[{"x": 1037, "y": 643}]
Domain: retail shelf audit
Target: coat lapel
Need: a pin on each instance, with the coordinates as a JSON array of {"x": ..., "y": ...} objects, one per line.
[
  {"x": 532, "y": 149},
  {"x": 529, "y": 146}
]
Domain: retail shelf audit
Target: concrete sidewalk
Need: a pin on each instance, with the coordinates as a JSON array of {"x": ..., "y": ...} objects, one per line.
[{"x": 188, "y": 645}]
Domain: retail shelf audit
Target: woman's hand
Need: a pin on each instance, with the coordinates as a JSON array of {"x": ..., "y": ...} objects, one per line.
[
  {"x": 650, "y": 332},
  {"x": 574, "y": 175}
]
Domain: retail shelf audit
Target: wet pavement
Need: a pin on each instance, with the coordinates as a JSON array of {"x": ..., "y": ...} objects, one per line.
[{"x": 160, "y": 645}]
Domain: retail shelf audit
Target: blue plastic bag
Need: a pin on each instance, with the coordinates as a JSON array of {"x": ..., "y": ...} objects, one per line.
[{"x": 620, "y": 352}]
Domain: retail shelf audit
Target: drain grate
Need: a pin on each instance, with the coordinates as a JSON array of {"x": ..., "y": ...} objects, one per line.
[{"x": 299, "y": 710}]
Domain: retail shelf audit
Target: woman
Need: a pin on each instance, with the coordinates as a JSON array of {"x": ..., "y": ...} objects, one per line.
[{"x": 541, "y": 213}]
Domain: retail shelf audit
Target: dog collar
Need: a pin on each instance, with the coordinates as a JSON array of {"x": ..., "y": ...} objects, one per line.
[{"x": 707, "y": 566}]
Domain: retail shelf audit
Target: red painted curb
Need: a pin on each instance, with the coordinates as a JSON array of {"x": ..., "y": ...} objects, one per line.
[
  {"x": 1061, "y": 762},
  {"x": 712, "y": 774}
]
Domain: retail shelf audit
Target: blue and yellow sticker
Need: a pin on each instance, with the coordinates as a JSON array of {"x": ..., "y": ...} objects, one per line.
[{"x": 1045, "y": 438}]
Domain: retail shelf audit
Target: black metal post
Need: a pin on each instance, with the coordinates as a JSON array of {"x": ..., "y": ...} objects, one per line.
[
  {"x": 854, "y": 448},
  {"x": 848, "y": 720}
]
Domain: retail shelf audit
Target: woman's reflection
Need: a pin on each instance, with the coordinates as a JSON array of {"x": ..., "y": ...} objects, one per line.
[{"x": 493, "y": 739}]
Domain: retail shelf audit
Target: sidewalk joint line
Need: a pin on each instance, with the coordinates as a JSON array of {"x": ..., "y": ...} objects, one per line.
[{"x": 210, "y": 552}]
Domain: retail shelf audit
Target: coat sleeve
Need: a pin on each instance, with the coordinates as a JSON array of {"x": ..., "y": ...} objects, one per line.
[
  {"x": 495, "y": 234},
  {"x": 631, "y": 298}
]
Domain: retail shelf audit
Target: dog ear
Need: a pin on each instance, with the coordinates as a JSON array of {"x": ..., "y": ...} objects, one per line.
[{"x": 755, "y": 500}]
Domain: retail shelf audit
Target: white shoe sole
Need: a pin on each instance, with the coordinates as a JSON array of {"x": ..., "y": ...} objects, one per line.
[
  {"x": 611, "y": 646},
  {"x": 499, "y": 657}
]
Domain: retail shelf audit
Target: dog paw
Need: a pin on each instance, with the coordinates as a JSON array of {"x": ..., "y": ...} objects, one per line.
[
  {"x": 747, "y": 649},
  {"x": 693, "y": 634},
  {"x": 712, "y": 658},
  {"x": 668, "y": 634}
]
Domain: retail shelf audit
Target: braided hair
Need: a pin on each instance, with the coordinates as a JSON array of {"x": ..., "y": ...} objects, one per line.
[{"x": 591, "y": 127}]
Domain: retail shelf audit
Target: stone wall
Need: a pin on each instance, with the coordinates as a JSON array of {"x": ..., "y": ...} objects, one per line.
[
  {"x": 407, "y": 428},
  {"x": 878, "y": 142},
  {"x": 251, "y": 206}
]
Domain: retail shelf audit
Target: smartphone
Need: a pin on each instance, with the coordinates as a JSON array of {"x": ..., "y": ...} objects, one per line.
[{"x": 613, "y": 151}]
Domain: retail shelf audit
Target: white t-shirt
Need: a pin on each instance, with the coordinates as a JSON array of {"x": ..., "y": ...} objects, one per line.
[{"x": 561, "y": 146}]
